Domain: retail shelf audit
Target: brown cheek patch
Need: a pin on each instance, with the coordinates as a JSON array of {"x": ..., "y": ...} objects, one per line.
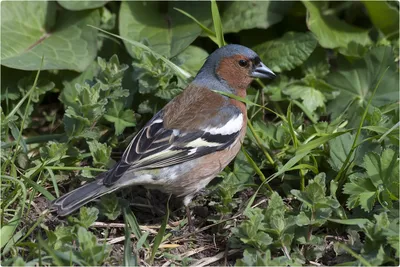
[{"x": 237, "y": 77}]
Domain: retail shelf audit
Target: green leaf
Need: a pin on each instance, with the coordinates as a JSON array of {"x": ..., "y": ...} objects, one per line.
[
  {"x": 339, "y": 148},
  {"x": 69, "y": 93},
  {"x": 383, "y": 16},
  {"x": 332, "y": 32},
  {"x": 120, "y": 117},
  {"x": 311, "y": 98},
  {"x": 53, "y": 151},
  {"x": 87, "y": 216},
  {"x": 245, "y": 15},
  {"x": 383, "y": 170},
  {"x": 288, "y": 52},
  {"x": 109, "y": 206},
  {"x": 165, "y": 30},
  {"x": 191, "y": 59},
  {"x": 65, "y": 42},
  {"x": 356, "y": 81},
  {"x": 81, "y": 5},
  {"x": 358, "y": 222},
  {"x": 317, "y": 63},
  {"x": 101, "y": 153}
]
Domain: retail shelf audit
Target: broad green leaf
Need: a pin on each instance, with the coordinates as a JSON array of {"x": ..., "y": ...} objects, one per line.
[
  {"x": 332, "y": 32},
  {"x": 163, "y": 29},
  {"x": 244, "y": 15},
  {"x": 383, "y": 16},
  {"x": 120, "y": 117},
  {"x": 8, "y": 228},
  {"x": 81, "y": 5},
  {"x": 356, "y": 81},
  {"x": 339, "y": 148},
  {"x": 66, "y": 42},
  {"x": 311, "y": 98},
  {"x": 191, "y": 59},
  {"x": 383, "y": 170},
  {"x": 287, "y": 52}
]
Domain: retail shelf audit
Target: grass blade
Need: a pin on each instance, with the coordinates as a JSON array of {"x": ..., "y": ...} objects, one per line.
[
  {"x": 134, "y": 225},
  {"x": 256, "y": 169},
  {"x": 217, "y": 23},
  {"x": 129, "y": 258},
  {"x": 160, "y": 235},
  {"x": 210, "y": 33}
]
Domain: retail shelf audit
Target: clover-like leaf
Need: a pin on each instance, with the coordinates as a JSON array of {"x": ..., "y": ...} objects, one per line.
[
  {"x": 121, "y": 117},
  {"x": 287, "y": 52},
  {"x": 30, "y": 31}
]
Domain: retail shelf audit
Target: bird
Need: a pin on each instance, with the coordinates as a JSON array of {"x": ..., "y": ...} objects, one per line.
[{"x": 190, "y": 140}]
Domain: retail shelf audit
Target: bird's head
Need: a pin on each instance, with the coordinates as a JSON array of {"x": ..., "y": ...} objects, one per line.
[{"x": 233, "y": 66}]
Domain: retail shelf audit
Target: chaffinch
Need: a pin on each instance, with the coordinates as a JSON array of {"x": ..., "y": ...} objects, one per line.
[{"x": 188, "y": 142}]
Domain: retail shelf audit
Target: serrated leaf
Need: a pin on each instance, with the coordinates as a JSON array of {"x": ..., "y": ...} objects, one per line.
[
  {"x": 367, "y": 200},
  {"x": 332, "y": 32},
  {"x": 383, "y": 170},
  {"x": 339, "y": 148},
  {"x": 101, "y": 153},
  {"x": 69, "y": 94},
  {"x": 65, "y": 43},
  {"x": 120, "y": 117},
  {"x": 110, "y": 207},
  {"x": 317, "y": 63},
  {"x": 311, "y": 98},
  {"x": 244, "y": 15},
  {"x": 166, "y": 31},
  {"x": 87, "y": 216},
  {"x": 53, "y": 151},
  {"x": 287, "y": 52},
  {"x": 356, "y": 81}
]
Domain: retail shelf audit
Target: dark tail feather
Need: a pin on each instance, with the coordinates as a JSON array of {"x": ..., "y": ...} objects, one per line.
[{"x": 80, "y": 196}]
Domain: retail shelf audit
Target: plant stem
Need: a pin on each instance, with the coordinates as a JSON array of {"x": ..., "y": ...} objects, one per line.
[
  {"x": 36, "y": 139},
  {"x": 267, "y": 155}
]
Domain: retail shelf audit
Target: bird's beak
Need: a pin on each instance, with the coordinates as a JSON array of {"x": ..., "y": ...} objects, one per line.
[{"x": 262, "y": 71}]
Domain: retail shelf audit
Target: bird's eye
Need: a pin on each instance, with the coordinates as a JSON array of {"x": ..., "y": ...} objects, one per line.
[{"x": 243, "y": 63}]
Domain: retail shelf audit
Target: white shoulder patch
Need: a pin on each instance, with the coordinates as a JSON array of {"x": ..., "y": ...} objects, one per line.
[{"x": 232, "y": 126}]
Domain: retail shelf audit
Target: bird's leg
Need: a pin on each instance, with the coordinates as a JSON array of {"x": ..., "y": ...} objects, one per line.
[
  {"x": 189, "y": 217},
  {"x": 186, "y": 201}
]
